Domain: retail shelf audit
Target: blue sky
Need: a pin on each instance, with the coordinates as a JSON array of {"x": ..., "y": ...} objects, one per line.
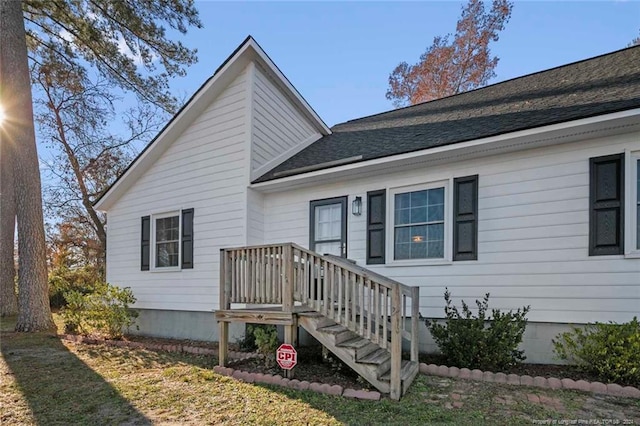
[{"x": 339, "y": 54}]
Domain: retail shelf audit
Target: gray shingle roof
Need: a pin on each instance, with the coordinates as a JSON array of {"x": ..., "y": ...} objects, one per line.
[{"x": 596, "y": 86}]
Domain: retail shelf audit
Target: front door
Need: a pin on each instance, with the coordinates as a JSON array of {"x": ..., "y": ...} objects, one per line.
[{"x": 328, "y": 226}]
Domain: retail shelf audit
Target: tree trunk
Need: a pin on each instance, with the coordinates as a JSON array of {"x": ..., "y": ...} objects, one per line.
[
  {"x": 34, "y": 313},
  {"x": 82, "y": 185},
  {"x": 8, "y": 301}
]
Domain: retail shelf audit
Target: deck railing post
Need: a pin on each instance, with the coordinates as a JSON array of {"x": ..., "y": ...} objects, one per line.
[
  {"x": 287, "y": 279},
  {"x": 396, "y": 344},
  {"x": 415, "y": 322}
]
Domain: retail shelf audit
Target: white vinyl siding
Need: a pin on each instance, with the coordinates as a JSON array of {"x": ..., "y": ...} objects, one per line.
[
  {"x": 277, "y": 124},
  {"x": 204, "y": 169},
  {"x": 533, "y": 234},
  {"x": 255, "y": 217}
]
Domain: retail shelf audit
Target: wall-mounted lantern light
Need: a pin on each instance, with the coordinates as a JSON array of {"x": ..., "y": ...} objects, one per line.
[{"x": 356, "y": 206}]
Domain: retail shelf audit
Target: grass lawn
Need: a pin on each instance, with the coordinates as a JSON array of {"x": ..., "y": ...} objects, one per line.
[{"x": 46, "y": 381}]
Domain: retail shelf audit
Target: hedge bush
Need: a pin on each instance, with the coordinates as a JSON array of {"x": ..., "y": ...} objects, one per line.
[
  {"x": 266, "y": 340},
  {"x": 479, "y": 341},
  {"x": 105, "y": 310},
  {"x": 610, "y": 351},
  {"x": 63, "y": 280}
]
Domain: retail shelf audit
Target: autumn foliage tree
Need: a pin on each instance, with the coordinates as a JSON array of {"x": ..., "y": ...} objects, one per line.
[{"x": 455, "y": 64}]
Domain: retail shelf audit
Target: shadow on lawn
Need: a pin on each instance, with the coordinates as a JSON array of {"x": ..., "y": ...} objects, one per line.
[{"x": 59, "y": 387}]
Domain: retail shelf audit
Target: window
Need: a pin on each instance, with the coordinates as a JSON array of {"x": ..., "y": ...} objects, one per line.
[
  {"x": 419, "y": 224},
  {"x": 167, "y": 241}
]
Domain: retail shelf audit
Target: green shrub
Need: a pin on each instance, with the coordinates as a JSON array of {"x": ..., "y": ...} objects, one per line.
[
  {"x": 610, "y": 351},
  {"x": 63, "y": 280},
  {"x": 105, "y": 310},
  {"x": 73, "y": 311},
  {"x": 247, "y": 342},
  {"x": 109, "y": 309},
  {"x": 479, "y": 341},
  {"x": 266, "y": 339}
]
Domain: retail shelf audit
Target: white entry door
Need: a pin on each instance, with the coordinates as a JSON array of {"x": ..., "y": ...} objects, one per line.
[{"x": 328, "y": 233}]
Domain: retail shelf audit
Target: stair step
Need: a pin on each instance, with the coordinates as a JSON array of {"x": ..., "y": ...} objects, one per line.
[
  {"x": 405, "y": 371},
  {"x": 377, "y": 357},
  {"x": 356, "y": 343},
  {"x": 334, "y": 329},
  {"x": 319, "y": 319},
  {"x": 361, "y": 346},
  {"x": 338, "y": 333}
]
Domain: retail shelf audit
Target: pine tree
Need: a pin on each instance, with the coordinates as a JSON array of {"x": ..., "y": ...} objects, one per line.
[{"x": 126, "y": 43}]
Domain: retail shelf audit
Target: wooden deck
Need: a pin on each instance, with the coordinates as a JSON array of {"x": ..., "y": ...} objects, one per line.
[{"x": 359, "y": 315}]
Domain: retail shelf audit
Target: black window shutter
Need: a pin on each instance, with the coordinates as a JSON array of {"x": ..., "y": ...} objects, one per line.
[
  {"x": 145, "y": 241},
  {"x": 187, "y": 239},
  {"x": 465, "y": 218},
  {"x": 376, "y": 203},
  {"x": 606, "y": 205}
]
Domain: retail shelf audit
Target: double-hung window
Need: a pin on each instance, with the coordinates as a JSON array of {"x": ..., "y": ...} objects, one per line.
[
  {"x": 419, "y": 223},
  {"x": 167, "y": 240}
]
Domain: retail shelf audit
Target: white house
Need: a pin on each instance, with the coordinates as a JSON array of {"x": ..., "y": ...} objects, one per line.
[{"x": 528, "y": 189}]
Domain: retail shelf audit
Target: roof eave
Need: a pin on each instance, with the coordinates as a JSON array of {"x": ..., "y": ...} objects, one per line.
[{"x": 568, "y": 131}]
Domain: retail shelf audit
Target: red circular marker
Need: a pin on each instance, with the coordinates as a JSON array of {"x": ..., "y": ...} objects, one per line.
[{"x": 286, "y": 356}]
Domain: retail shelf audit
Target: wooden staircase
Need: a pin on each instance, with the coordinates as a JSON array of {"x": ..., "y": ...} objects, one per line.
[
  {"x": 360, "y": 316},
  {"x": 369, "y": 360}
]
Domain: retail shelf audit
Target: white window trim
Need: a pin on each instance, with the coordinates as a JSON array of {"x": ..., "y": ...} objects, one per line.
[
  {"x": 154, "y": 217},
  {"x": 448, "y": 224},
  {"x": 630, "y": 197}
]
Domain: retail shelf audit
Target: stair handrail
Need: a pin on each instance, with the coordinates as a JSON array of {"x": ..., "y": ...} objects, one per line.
[{"x": 397, "y": 315}]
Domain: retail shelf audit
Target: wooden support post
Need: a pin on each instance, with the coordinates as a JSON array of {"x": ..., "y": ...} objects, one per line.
[
  {"x": 223, "y": 344},
  {"x": 291, "y": 337},
  {"x": 415, "y": 322},
  {"x": 396, "y": 344}
]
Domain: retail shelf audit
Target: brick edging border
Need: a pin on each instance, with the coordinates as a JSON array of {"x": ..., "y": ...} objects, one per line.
[
  {"x": 239, "y": 375},
  {"x": 539, "y": 382},
  {"x": 278, "y": 380}
]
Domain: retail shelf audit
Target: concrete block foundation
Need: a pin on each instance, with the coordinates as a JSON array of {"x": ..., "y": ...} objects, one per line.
[{"x": 537, "y": 340}]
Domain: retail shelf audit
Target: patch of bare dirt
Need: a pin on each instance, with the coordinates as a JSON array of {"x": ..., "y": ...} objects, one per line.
[{"x": 312, "y": 367}]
